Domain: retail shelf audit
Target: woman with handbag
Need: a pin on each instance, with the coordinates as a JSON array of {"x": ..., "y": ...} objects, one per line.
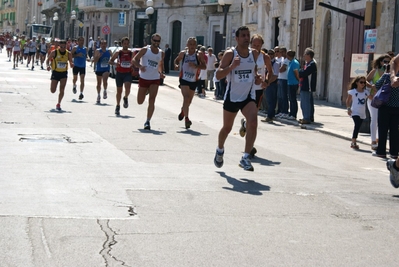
[
  {"x": 388, "y": 113},
  {"x": 373, "y": 76}
]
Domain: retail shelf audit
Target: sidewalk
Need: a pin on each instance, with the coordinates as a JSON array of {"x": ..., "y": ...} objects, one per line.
[{"x": 329, "y": 118}]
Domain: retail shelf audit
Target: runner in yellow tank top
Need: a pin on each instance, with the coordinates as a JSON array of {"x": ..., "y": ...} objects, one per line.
[{"x": 59, "y": 64}]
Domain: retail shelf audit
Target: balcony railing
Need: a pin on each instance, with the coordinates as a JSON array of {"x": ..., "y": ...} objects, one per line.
[{"x": 99, "y": 4}]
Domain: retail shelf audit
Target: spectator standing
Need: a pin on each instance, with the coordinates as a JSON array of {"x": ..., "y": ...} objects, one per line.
[
  {"x": 166, "y": 60},
  {"x": 282, "y": 92},
  {"x": 388, "y": 114},
  {"x": 271, "y": 90},
  {"x": 356, "y": 105},
  {"x": 293, "y": 84},
  {"x": 90, "y": 46},
  {"x": 308, "y": 86},
  {"x": 210, "y": 69},
  {"x": 373, "y": 76}
]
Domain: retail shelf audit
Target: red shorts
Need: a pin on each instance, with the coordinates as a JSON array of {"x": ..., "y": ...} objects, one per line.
[
  {"x": 146, "y": 83},
  {"x": 17, "y": 52}
]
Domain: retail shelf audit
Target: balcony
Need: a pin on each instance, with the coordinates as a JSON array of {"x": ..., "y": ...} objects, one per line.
[
  {"x": 102, "y": 5},
  {"x": 209, "y": 2}
]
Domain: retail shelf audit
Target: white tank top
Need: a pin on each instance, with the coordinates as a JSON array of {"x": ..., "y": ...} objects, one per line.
[
  {"x": 17, "y": 46},
  {"x": 241, "y": 79},
  {"x": 43, "y": 47},
  {"x": 188, "y": 73},
  {"x": 32, "y": 47},
  {"x": 151, "y": 62},
  {"x": 260, "y": 63}
]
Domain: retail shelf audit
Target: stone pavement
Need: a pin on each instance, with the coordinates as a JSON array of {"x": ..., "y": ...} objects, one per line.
[{"x": 329, "y": 118}]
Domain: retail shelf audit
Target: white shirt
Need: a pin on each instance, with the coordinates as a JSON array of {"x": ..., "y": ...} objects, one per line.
[
  {"x": 241, "y": 79},
  {"x": 286, "y": 62},
  {"x": 359, "y": 100},
  {"x": 151, "y": 62},
  {"x": 210, "y": 65}
]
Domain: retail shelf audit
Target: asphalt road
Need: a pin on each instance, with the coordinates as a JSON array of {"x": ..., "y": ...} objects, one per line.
[{"x": 83, "y": 187}]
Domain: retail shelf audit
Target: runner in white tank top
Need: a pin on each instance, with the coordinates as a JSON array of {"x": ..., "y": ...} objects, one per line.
[
  {"x": 17, "y": 52},
  {"x": 150, "y": 63},
  {"x": 192, "y": 62},
  {"x": 240, "y": 67}
]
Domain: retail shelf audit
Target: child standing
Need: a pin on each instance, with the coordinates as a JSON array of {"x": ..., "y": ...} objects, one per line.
[{"x": 356, "y": 105}]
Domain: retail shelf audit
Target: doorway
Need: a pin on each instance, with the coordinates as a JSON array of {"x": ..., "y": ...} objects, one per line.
[{"x": 176, "y": 41}]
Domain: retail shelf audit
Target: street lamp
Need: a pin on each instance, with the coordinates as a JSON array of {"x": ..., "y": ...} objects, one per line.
[
  {"x": 34, "y": 20},
  {"x": 73, "y": 18},
  {"x": 226, "y": 6},
  {"x": 44, "y": 19},
  {"x": 149, "y": 11},
  {"x": 55, "y": 19}
]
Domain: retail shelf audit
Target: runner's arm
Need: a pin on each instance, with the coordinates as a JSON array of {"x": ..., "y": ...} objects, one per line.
[
  {"x": 114, "y": 56},
  {"x": 225, "y": 65},
  {"x": 178, "y": 59},
  {"x": 138, "y": 56}
]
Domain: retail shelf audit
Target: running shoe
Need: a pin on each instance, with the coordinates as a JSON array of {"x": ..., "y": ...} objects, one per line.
[
  {"x": 33, "y": 67},
  {"x": 105, "y": 95},
  {"x": 58, "y": 107},
  {"x": 245, "y": 163},
  {"x": 394, "y": 174},
  {"x": 74, "y": 89},
  {"x": 117, "y": 109},
  {"x": 253, "y": 152},
  {"x": 81, "y": 96},
  {"x": 181, "y": 115},
  {"x": 125, "y": 102},
  {"x": 147, "y": 125},
  {"x": 188, "y": 123},
  {"x": 268, "y": 120},
  {"x": 243, "y": 130},
  {"x": 98, "y": 99},
  {"x": 42, "y": 67},
  {"x": 218, "y": 160}
]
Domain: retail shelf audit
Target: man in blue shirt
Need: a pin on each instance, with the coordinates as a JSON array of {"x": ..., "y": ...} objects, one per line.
[
  {"x": 79, "y": 55},
  {"x": 293, "y": 84}
]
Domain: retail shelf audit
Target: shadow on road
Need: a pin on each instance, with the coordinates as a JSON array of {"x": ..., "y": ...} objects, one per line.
[
  {"x": 244, "y": 186},
  {"x": 154, "y": 132},
  {"x": 58, "y": 111},
  {"x": 193, "y": 133},
  {"x": 264, "y": 162}
]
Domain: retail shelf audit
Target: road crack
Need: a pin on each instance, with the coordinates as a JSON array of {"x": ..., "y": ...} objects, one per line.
[{"x": 110, "y": 241}]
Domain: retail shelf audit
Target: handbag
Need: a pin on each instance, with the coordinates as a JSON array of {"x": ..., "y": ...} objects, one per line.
[{"x": 382, "y": 96}]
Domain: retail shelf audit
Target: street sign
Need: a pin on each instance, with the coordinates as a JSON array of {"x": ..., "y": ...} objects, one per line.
[
  {"x": 370, "y": 41},
  {"x": 122, "y": 19},
  {"x": 359, "y": 65},
  {"x": 81, "y": 25},
  {"x": 106, "y": 30}
]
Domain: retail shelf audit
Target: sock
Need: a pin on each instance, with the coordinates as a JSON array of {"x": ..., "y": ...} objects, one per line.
[
  {"x": 220, "y": 150},
  {"x": 395, "y": 167},
  {"x": 245, "y": 124},
  {"x": 245, "y": 155},
  {"x": 148, "y": 119},
  {"x": 187, "y": 119}
]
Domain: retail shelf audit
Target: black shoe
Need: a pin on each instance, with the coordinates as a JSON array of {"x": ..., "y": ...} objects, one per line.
[
  {"x": 188, "y": 123},
  {"x": 147, "y": 125},
  {"x": 253, "y": 152},
  {"x": 117, "y": 109},
  {"x": 81, "y": 96},
  {"x": 181, "y": 115},
  {"x": 74, "y": 89},
  {"x": 125, "y": 102}
]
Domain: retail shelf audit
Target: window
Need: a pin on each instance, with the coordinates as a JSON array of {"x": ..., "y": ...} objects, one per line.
[{"x": 308, "y": 5}]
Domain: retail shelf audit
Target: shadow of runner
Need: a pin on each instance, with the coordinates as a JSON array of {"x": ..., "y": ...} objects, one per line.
[
  {"x": 264, "y": 162},
  {"x": 244, "y": 186}
]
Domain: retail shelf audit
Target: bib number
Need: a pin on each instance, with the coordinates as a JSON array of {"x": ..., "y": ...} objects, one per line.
[
  {"x": 61, "y": 65},
  {"x": 125, "y": 64},
  {"x": 243, "y": 76},
  {"x": 188, "y": 75}
]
